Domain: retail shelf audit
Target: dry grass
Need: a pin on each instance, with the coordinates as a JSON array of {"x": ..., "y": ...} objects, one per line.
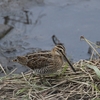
[{"x": 82, "y": 85}]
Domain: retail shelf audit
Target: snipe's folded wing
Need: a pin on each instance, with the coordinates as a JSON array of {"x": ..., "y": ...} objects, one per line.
[
  {"x": 37, "y": 63},
  {"x": 39, "y": 54}
]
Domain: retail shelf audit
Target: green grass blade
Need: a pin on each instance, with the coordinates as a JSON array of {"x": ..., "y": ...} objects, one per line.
[{"x": 97, "y": 71}]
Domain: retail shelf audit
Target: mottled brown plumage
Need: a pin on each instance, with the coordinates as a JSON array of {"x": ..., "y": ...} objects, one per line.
[{"x": 44, "y": 62}]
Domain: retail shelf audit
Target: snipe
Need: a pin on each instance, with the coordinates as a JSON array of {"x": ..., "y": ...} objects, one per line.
[{"x": 46, "y": 62}]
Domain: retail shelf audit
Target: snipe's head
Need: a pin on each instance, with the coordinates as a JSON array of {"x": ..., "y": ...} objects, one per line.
[
  {"x": 60, "y": 51},
  {"x": 61, "y": 47},
  {"x": 21, "y": 59}
]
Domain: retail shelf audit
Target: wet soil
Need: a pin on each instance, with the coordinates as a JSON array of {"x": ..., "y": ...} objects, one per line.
[{"x": 35, "y": 21}]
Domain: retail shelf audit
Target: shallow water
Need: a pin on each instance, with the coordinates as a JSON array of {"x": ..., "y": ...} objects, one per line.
[{"x": 67, "y": 19}]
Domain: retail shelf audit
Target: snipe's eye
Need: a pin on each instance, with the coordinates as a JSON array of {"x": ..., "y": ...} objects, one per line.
[{"x": 60, "y": 50}]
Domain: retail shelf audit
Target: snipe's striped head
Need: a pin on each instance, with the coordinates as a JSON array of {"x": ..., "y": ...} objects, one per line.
[
  {"x": 61, "y": 47},
  {"x": 60, "y": 50}
]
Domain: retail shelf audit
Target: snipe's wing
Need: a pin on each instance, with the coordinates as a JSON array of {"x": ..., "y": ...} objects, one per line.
[
  {"x": 39, "y": 54},
  {"x": 40, "y": 62}
]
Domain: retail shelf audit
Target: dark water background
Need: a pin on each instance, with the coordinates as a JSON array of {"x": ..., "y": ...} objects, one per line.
[{"x": 35, "y": 21}]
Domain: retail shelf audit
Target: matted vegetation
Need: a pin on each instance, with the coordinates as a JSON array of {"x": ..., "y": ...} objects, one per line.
[{"x": 82, "y": 85}]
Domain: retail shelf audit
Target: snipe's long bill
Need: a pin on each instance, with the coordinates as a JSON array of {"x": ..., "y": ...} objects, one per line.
[
  {"x": 69, "y": 63},
  {"x": 61, "y": 49}
]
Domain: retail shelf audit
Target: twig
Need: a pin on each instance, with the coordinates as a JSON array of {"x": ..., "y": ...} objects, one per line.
[
  {"x": 92, "y": 55},
  {"x": 79, "y": 82},
  {"x": 25, "y": 78},
  {"x": 52, "y": 86},
  {"x": 82, "y": 37},
  {"x": 12, "y": 71},
  {"x": 3, "y": 70},
  {"x": 70, "y": 94}
]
